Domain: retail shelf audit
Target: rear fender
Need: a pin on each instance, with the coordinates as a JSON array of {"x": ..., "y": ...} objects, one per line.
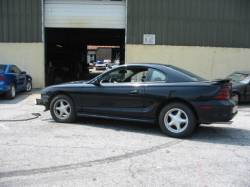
[{"x": 177, "y": 100}]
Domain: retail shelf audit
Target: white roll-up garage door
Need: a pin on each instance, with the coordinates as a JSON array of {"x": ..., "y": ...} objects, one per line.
[{"x": 85, "y": 14}]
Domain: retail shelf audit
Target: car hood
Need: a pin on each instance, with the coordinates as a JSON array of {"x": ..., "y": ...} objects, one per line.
[
  {"x": 64, "y": 86},
  {"x": 73, "y": 83}
]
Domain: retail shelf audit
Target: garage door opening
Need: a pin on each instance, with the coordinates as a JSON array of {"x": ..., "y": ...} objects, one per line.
[{"x": 81, "y": 54}]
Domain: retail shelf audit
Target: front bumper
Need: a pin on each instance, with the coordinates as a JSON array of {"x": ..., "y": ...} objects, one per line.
[
  {"x": 43, "y": 101},
  {"x": 216, "y": 111},
  {"x": 39, "y": 102}
]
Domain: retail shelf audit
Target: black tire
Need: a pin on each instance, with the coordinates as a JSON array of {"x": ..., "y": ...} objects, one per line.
[
  {"x": 186, "y": 114},
  {"x": 11, "y": 94},
  {"x": 29, "y": 86},
  {"x": 55, "y": 113}
]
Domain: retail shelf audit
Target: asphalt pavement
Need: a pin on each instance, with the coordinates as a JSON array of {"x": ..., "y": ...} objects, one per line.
[{"x": 36, "y": 151}]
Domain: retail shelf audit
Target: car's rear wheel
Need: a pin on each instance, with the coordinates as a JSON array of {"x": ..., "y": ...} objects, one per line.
[
  {"x": 62, "y": 109},
  {"x": 28, "y": 86},
  {"x": 11, "y": 94},
  {"x": 177, "y": 120}
]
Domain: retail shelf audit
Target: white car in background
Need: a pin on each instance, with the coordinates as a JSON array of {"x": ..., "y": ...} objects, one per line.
[{"x": 100, "y": 65}]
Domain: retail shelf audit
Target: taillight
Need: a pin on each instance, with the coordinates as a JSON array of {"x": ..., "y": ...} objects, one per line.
[
  {"x": 223, "y": 94},
  {"x": 2, "y": 78}
]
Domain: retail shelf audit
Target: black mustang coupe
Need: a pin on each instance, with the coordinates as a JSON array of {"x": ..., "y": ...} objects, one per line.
[{"x": 176, "y": 99}]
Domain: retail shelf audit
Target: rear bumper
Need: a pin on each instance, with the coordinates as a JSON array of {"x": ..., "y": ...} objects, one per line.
[{"x": 216, "y": 111}]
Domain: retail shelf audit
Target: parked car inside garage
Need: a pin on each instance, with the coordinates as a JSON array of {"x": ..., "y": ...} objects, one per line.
[
  {"x": 176, "y": 99},
  {"x": 100, "y": 65},
  {"x": 13, "y": 80},
  {"x": 241, "y": 85}
]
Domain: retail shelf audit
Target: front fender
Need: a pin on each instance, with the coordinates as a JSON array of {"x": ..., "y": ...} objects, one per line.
[{"x": 28, "y": 78}]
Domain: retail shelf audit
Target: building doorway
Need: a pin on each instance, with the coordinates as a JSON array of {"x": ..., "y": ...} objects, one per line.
[{"x": 73, "y": 54}]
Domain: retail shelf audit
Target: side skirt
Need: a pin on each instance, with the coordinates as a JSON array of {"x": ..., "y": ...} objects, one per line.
[{"x": 114, "y": 118}]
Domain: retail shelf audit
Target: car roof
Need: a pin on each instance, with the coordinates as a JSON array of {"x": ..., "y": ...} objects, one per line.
[
  {"x": 152, "y": 65},
  {"x": 146, "y": 64}
]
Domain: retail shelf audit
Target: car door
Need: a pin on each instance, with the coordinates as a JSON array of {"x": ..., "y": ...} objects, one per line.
[
  {"x": 113, "y": 97},
  {"x": 156, "y": 91},
  {"x": 19, "y": 77}
]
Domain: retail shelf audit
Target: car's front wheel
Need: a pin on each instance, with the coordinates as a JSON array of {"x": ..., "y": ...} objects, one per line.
[
  {"x": 62, "y": 109},
  {"x": 28, "y": 86},
  {"x": 177, "y": 120}
]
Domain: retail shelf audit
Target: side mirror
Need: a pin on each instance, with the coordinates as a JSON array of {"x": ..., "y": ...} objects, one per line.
[{"x": 23, "y": 72}]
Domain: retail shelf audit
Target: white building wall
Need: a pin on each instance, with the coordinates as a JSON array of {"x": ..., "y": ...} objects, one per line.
[
  {"x": 28, "y": 56},
  {"x": 208, "y": 62}
]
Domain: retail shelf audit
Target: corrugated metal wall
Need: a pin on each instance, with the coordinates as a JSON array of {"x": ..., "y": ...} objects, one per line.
[
  {"x": 222, "y": 23},
  {"x": 20, "y": 20}
]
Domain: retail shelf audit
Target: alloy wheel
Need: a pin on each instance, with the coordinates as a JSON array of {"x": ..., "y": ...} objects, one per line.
[
  {"x": 176, "y": 120},
  {"x": 62, "y": 109},
  {"x": 13, "y": 91},
  {"x": 28, "y": 86}
]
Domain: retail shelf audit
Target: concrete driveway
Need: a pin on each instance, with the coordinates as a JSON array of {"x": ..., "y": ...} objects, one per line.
[{"x": 40, "y": 152}]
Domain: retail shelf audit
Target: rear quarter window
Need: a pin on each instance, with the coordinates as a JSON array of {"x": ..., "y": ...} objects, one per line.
[{"x": 157, "y": 76}]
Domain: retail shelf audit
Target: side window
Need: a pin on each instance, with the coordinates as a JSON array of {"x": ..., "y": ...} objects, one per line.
[
  {"x": 125, "y": 75},
  {"x": 157, "y": 76},
  {"x": 18, "y": 70},
  {"x": 14, "y": 69},
  {"x": 118, "y": 76},
  {"x": 140, "y": 76}
]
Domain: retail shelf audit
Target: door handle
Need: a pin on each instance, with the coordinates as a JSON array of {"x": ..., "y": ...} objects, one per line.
[{"x": 134, "y": 92}]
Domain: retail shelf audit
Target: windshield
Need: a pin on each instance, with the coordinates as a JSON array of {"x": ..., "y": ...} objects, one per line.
[
  {"x": 238, "y": 77},
  {"x": 191, "y": 75},
  {"x": 2, "y": 68}
]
